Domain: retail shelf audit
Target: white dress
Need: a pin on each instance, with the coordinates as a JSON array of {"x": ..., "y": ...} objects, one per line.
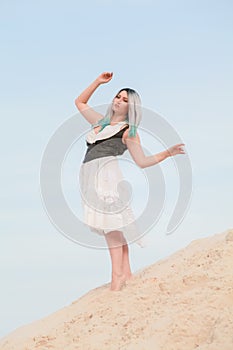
[{"x": 105, "y": 198}]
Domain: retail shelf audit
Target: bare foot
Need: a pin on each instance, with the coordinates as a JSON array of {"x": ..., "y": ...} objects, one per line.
[
  {"x": 117, "y": 282},
  {"x": 128, "y": 276}
]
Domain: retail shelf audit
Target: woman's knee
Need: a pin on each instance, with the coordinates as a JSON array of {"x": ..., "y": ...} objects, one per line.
[{"x": 115, "y": 236}]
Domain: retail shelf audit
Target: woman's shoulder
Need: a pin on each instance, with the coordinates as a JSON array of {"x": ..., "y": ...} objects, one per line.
[
  {"x": 125, "y": 133},
  {"x": 125, "y": 136}
]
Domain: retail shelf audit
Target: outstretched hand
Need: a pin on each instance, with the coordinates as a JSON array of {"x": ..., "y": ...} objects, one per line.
[
  {"x": 105, "y": 77},
  {"x": 176, "y": 149}
]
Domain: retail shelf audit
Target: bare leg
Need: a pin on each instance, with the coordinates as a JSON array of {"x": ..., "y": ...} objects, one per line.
[
  {"x": 125, "y": 262},
  {"x": 115, "y": 242}
]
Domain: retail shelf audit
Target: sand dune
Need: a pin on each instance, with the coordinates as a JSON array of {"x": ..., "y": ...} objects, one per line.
[{"x": 183, "y": 302}]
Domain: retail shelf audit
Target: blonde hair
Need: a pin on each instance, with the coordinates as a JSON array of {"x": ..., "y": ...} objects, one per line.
[{"x": 134, "y": 114}]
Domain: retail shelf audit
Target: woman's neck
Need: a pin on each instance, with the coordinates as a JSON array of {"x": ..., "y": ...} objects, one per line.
[{"x": 117, "y": 119}]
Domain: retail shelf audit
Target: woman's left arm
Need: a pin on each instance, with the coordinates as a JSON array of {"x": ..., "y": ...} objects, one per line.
[{"x": 143, "y": 161}]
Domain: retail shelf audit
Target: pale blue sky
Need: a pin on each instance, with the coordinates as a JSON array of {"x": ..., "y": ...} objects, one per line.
[{"x": 179, "y": 56}]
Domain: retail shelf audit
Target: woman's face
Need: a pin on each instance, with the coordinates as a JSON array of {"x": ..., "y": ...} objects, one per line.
[{"x": 120, "y": 103}]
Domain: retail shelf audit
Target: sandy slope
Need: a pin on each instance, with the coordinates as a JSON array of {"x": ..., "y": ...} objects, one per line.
[{"x": 183, "y": 302}]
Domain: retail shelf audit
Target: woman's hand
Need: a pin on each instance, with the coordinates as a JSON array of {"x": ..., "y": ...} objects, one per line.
[
  {"x": 105, "y": 77},
  {"x": 176, "y": 149}
]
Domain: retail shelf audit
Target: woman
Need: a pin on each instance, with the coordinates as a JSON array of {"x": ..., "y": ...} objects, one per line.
[{"x": 105, "y": 212}]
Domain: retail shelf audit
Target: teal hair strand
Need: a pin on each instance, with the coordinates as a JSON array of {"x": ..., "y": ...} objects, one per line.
[{"x": 132, "y": 131}]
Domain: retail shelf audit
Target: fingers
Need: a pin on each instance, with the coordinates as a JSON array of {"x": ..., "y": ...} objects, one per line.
[
  {"x": 108, "y": 74},
  {"x": 179, "y": 148},
  {"x": 105, "y": 77}
]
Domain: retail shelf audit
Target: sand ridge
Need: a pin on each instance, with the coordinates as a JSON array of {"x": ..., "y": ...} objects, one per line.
[{"x": 182, "y": 302}]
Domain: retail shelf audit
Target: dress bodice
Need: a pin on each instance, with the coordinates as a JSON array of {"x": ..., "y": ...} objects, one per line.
[{"x": 107, "y": 142}]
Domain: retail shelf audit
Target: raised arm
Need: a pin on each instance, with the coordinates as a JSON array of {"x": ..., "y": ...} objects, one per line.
[
  {"x": 143, "y": 161},
  {"x": 81, "y": 101}
]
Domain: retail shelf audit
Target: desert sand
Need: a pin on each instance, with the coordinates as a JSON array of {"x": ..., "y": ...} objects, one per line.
[{"x": 182, "y": 302}]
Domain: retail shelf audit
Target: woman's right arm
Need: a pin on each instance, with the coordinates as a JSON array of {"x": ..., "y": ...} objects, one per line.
[{"x": 81, "y": 101}]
